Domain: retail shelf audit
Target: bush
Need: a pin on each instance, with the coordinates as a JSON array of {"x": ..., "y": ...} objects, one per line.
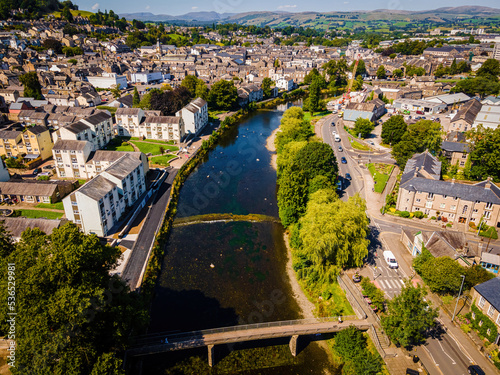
[
  {"x": 418, "y": 214},
  {"x": 472, "y": 225},
  {"x": 433, "y": 217},
  {"x": 444, "y": 219},
  {"x": 448, "y": 225},
  {"x": 404, "y": 214},
  {"x": 465, "y": 328},
  {"x": 486, "y": 324},
  {"x": 125, "y": 143}
]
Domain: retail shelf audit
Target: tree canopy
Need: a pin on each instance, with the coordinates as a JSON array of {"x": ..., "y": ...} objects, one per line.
[
  {"x": 393, "y": 129},
  {"x": 485, "y": 153},
  {"x": 72, "y": 315},
  {"x": 363, "y": 127},
  {"x": 409, "y": 316},
  {"x": 31, "y": 84},
  {"x": 266, "y": 87},
  {"x": 223, "y": 95}
]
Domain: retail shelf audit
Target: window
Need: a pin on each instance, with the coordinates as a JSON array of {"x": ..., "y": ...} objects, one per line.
[
  {"x": 481, "y": 301},
  {"x": 487, "y": 214},
  {"x": 491, "y": 310},
  {"x": 498, "y": 319},
  {"x": 464, "y": 211},
  {"x": 430, "y": 196},
  {"x": 455, "y": 198},
  {"x": 428, "y": 204},
  {"x": 489, "y": 206},
  {"x": 417, "y": 200},
  {"x": 73, "y": 203},
  {"x": 442, "y": 205},
  {"x": 453, "y": 207}
]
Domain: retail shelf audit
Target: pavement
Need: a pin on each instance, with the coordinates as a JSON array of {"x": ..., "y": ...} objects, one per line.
[{"x": 449, "y": 350}]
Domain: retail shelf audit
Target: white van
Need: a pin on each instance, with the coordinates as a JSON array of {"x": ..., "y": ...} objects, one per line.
[
  {"x": 337, "y": 138},
  {"x": 390, "y": 259}
]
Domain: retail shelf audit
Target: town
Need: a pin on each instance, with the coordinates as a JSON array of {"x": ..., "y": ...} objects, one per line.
[{"x": 324, "y": 200}]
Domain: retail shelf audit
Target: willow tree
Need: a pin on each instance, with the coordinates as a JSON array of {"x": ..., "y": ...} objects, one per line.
[{"x": 332, "y": 234}]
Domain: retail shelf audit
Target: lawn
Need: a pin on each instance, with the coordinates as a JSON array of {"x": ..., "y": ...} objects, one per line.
[
  {"x": 380, "y": 173},
  {"x": 116, "y": 145},
  {"x": 153, "y": 148},
  {"x": 162, "y": 160},
  {"x": 489, "y": 233},
  {"x": 111, "y": 110},
  {"x": 34, "y": 214},
  {"x": 55, "y": 206},
  {"x": 153, "y": 141}
]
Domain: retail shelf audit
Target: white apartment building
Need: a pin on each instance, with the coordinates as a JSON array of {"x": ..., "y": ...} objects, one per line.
[
  {"x": 77, "y": 159},
  {"x": 99, "y": 204},
  {"x": 284, "y": 84},
  {"x": 108, "y": 81},
  {"x": 97, "y": 129},
  {"x": 194, "y": 115},
  {"x": 146, "y": 77},
  {"x": 134, "y": 122}
]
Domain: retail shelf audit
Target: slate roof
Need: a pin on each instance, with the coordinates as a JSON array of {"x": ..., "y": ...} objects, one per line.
[
  {"x": 9, "y": 134},
  {"x": 112, "y": 156},
  {"x": 123, "y": 166},
  {"x": 424, "y": 164},
  {"x": 490, "y": 290},
  {"x": 76, "y": 127},
  {"x": 163, "y": 120},
  {"x": 455, "y": 147},
  {"x": 69, "y": 144},
  {"x": 25, "y": 188},
  {"x": 127, "y": 111},
  {"x": 17, "y": 225},
  {"x": 97, "y": 188},
  {"x": 97, "y": 118},
  {"x": 468, "y": 112}
]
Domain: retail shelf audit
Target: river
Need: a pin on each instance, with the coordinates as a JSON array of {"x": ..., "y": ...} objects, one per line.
[{"x": 218, "y": 273}]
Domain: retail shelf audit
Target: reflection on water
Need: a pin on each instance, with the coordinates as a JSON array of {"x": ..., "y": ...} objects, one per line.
[{"x": 228, "y": 273}]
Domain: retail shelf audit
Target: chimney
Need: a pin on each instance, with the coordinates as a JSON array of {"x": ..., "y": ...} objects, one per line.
[{"x": 488, "y": 183}]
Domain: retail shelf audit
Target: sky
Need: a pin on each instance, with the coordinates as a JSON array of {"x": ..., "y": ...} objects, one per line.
[{"x": 237, "y": 6}]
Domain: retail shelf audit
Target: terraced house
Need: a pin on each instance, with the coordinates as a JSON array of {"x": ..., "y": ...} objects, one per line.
[
  {"x": 422, "y": 190},
  {"x": 32, "y": 143}
]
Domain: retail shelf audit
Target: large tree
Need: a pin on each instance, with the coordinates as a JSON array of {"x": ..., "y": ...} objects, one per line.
[
  {"x": 393, "y": 129},
  {"x": 409, "y": 316},
  {"x": 189, "y": 82},
  {"x": 136, "y": 98},
  {"x": 333, "y": 235},
  {"x": 442, "y": 275},
  {"x": 485, "y": 153},
  {"x": 266, "y": 87},
  {"x": 381, "y": 72},
  {"x": 71, "y": 313},
  {"x": 223, "y": 95},
  {"x": 490, "y": 69},
  {"x": 314, "y": 95},
  {"x": 31, "y": 85},
  {"x": 317, "y": 158},
  {"x": 170, "y": 101},
  {"x": 363, "y": 127}
]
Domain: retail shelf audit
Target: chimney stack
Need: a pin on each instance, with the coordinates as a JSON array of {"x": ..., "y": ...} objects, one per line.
[{"x": 488, "y": 183}]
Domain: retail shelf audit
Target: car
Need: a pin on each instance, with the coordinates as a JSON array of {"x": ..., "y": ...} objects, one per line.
[
  {"x": 36, "y": 171},
  {"x": 339, "y": 185},
  {"x": 341, "y": 149},
  {"x": 343, "y": 160},
  {"x": 348, "y": 176},
  {"x": 475, "y": 370},
  {"x": 47, "y": 167},
  {"x": 356, "y": 278},
  {"x": 371, "y": 142},
  {"x": 334, "y": 133}
]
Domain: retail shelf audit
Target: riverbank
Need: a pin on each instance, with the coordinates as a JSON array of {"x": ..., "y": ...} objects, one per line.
[{"x": 270, "y": 146}]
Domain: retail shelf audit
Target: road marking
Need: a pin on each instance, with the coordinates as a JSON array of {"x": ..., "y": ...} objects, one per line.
[
  {"x": 460, "y": 346},
  {"x": 402, "y": 282},
  {"x": 452, "y": 360},
  {"x": 382, "y": 284}
]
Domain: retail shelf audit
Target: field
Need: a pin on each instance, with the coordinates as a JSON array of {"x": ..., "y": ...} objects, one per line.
[
  {"x": 83, "y": 13},
  {"x": 153, "y": 148},
  {"x": 380, "y": 173},
  {"x": 34, "y": 214},
  {"x": 317, "y": 115},
  {"x": 116, "y": 145}
]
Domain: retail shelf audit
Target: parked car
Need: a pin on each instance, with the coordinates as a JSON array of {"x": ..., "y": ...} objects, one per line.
[
  {"x": 475, "y": 370},
  {"x": 371, "y": 142},
  {"x": 341, "y": 149},
  {"x": 356, "y": 278},
  {"x": 36, "y": 171},
  {"x": 348, "y": 176},
  {"x": 343, "y": 160}
]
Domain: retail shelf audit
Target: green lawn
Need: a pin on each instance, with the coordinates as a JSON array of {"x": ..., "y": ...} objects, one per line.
[
  {"x": 380, "y": 173},
  {"x": 317, "y": 115},
  {"x": 153, "y": 141},
  {"x": 116, "y": 145},
  {"x": 162, "y": 160},
  {"x": 33, "y": 214},
  {"x": 489, "y": 233},
  {"x": 153, "y": 148},
  {"x": 111, "y": 110},
  {"x": 55, "y": 206}
]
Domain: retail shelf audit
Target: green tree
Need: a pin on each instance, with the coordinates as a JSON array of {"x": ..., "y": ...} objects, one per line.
[
  {"x": 422, "y": 258},
  {"x": 397, "y": 73},
  {"x": 136, "y": 98},
  {"x": 292, "y": 129},
  {"x": 314, "y": 95},
  {"x": 116, "y": 91},
  {"x": 6, "y": 244},
  {"x": 485, "y": 152},
  {"x": 333, "y": 234},
  {"x": 66, "y": 14},
  {"x": 393, "y": 129},
  {"x": 317, "y": 158},
  {"x": 190, "y": 82},
  {"x": 409, "y": 316},
  {"x": 32, "y": 87},
  {"x": 363, "y": 127},
  {"x": 442, "y": 275},
  {"x": 490, "y": 69},
  {"x": 108, "y": 364},
  {"x": 476, "y": 275},
  {"x": 381, "y": 72},
  {"x": 201, "y": 90},
  {"x": 223, "y": 95},
  {"x": 73, "y": 61},
  {"x": 454, "y": 67},
  {"x": 292, "y": 195},
  {"x": 266, "y": 87},
  {"x": 276, "y": 63}
]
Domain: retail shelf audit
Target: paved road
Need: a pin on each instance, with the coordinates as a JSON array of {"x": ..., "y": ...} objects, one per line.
[{"x": 135, "y": 264}]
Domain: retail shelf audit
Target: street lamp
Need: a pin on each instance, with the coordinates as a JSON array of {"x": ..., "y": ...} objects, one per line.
[{"x": 463, "y": 279}]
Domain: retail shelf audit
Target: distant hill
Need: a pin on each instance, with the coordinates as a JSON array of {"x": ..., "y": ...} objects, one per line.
[{"x": 317, "y": 19}]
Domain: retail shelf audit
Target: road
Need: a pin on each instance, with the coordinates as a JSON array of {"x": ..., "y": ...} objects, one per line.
[
  {"x": 135, "y": 264},
  {"x": 442, "y": 354}
]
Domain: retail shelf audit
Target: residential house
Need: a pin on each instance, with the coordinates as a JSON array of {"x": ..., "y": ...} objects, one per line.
[
  {"x": 490, "y": 262},
  {"x": 456, "y": 152},
  {"x": 421, "y": 189},
  {"x": 33, "y": 143},
  {"x": 30, "y": 192},
  {"x": 15, "y": 226},
  {"x": 465, "y": 117},
  {"x": 486, "y": 297},
  {"x": 97, "y": 128}
]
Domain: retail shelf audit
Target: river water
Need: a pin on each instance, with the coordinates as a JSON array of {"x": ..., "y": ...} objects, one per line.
[{"x": 217, "y": 274}]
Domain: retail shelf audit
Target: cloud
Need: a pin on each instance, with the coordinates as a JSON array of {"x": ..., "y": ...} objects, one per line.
[
  {"x": 287, "y": 6},
  {"x": 147, "y": 7},
  {"x": 346, "y": 2},
  {"x": 194, "y": 8},
  {"x": 95, "y": 6}
]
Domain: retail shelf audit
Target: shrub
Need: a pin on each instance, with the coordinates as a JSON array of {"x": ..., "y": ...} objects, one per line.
[
  {"x": 472, "y": 225},
  {"x": 444, "y": 219},
  {"x": 448, "y": 225},
  {"x": 404, "y": 214},
  {"x": 465, "y": 328},
  {"x": 433, "y": 217},
  {"x": 418, "y": 214},
  {"x": 124, "y": 143},
  {"x": 411, "y": 214},
  {"x": 392, "y": 209},
  {"x": 486, "y": 324}
]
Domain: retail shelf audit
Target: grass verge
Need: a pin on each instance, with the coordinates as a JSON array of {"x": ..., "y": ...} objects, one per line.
[
  {"x": 380, "y": 173},
  {"x": 358, "y": 146},
  {"x": 162, "y": 160},
  {"x": 153, "y": 148}
]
